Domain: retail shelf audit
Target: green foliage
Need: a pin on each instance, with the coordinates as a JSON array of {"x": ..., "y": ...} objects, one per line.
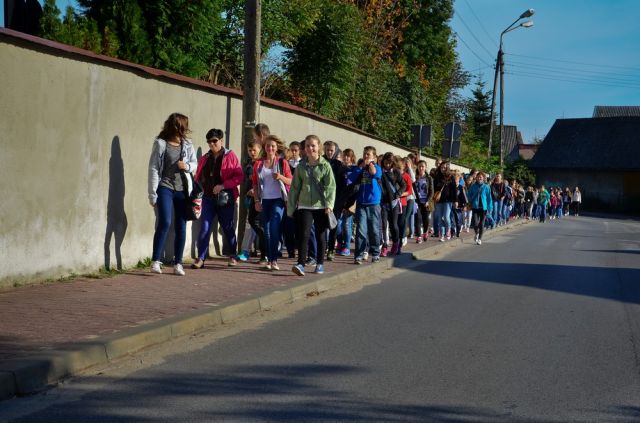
[{"x": 520, "y": 171}]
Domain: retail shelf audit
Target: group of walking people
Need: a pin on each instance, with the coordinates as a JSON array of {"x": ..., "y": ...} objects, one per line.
[{"x": 306, "y": 199}]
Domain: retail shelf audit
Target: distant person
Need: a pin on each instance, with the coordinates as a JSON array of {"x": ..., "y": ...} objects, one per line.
[
  {"x": 219, "y": 173},
  {"x": 543, "y": 202},
  {"x": 576, "y": 200},
  {"x": 423, "y": 189},
  {"x": 172, "y": 153},
  {"x": 481, "y": 201},
  {"x": 260, "y": 133}
]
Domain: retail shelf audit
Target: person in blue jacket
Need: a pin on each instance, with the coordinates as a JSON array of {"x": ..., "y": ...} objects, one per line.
[
  {"x": 367, "y": 205},
  {"x": 479, "y": 196}
]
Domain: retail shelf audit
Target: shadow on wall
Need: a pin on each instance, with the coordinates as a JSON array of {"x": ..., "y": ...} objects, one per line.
[{"x": 116, "y": 216}]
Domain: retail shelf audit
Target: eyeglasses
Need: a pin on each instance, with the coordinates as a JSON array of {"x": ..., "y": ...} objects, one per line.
[{"x": 212, "y": 141}]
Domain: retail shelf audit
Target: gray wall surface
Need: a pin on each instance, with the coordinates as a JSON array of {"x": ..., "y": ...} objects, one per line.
[{"x": 77, "y": 134}]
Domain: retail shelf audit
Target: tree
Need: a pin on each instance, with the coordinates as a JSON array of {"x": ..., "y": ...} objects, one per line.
[{"x": 519, "y": 170}]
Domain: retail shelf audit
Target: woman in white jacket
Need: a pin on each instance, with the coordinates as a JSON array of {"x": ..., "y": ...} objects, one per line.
[
  {"x": 172, "y": 153},
  {"x": 576, "y": 199}
]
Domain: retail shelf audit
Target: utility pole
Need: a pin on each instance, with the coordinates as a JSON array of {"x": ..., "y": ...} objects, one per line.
[
  {"x": 501, "y": 108},
  {"x": 251, "y": 92},
  {"x": 493, "y": 101}
]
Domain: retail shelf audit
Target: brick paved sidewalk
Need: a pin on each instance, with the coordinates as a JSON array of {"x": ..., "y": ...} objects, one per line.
[{"x": 38, "y": 318}]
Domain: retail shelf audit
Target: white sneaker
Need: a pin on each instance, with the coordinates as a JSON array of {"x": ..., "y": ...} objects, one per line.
[
  {"x": 475, "y": 238},
  {"x": 404, "y": 241},
  {"x": 479, "y": 241},
  {"x": 155, "y": 267},
  {"x": 365, "y": 256},
  {"x": 442, "y": 239},
  {"x": 178, "y": 270}
]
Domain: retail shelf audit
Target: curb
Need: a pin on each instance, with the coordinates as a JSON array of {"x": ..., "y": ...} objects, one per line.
[{"x": 29, "y": 375}]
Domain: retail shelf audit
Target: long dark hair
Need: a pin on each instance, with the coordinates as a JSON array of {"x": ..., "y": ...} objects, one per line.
[{"x": 176, "y": 125}]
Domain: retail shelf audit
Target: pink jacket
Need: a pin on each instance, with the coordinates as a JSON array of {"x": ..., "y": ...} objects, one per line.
[{"x": 230, "y": 171}]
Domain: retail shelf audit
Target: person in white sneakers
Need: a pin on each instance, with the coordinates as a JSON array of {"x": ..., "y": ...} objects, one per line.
[
  {"x": 479, "y": 196},
  {"x": 171, "y": 155}
]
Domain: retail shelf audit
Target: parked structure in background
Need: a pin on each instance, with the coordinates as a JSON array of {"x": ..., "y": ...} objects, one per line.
[
  {"x": 512, "y": 140},
  {"x": 601, "y": 155}
]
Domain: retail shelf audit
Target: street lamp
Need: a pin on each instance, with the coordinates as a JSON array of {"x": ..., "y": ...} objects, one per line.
[{"x": 500, "y": 68}]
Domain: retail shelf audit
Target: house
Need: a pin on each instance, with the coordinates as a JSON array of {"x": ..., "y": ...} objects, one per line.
[
  {"x": 600, "y": 155},
  {"x": 512, "y": 138},
  {"x": 615, "y": 111}
]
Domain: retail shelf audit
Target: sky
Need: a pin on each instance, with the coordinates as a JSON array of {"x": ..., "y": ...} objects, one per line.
[{"x": 578, "y": 54}]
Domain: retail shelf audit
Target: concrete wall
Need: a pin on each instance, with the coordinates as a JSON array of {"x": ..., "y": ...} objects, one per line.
[{"x": 77, "y": 131}]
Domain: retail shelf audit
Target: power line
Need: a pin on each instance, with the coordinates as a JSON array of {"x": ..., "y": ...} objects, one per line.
[
  {"x": 473, "y": 35},
  {"x": 574, "y": 80},
  {"x": 560, "y": 68},
  {"x": 572, "y": 73},
  {"x": 575, "y": 63},
  {"x": 472, "y": 50},
  {"x": 481, "y": 25}
]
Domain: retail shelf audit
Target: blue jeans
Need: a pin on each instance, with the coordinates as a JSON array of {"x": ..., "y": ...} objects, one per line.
[
  {"x": 497, "y": 212},
  {"x": 167, "y": 202},
  {"x": 368, "y": 229},
  {"x": 272, "y": 212},
  {"x": 542, "y": 212},
  {"x": 225, "y": 219},
  {"x": 442, "y": 212},
  {"x": 345, "y": 231}
]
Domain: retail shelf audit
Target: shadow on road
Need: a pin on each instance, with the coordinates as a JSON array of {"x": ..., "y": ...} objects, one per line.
[
  {"x": 265, "y": 393},
  {"x": 619, "y": 284}
]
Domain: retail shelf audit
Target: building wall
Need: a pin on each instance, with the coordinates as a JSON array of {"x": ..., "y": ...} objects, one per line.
[
  {"x": 601, "y": 191},
  {"x": 77, "y": 132}
]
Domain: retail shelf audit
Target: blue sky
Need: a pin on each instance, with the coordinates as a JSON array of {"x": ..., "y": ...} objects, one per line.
[
  {"x": 572, "y": 36},
  {"x": 590, "y": 45}
]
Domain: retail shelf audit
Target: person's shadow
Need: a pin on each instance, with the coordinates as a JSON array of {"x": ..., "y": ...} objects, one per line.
[{"x": 116, "y": 216}]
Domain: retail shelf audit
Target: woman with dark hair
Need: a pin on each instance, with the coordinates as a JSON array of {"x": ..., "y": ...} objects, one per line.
[
  {"x": 220, "y": 173},
  {"x": 172, "y": 154},
  {"x": 393, "y": 186},
  {"x": 576, "y": 199},
  {"x": 444, "y": 184}
]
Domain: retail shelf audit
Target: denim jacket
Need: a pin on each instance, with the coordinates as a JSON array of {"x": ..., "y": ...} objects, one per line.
[{"x": 156, "y": 164}]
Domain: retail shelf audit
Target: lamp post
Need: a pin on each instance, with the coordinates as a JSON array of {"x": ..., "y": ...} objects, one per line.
[{"x": 500, "y": 69}]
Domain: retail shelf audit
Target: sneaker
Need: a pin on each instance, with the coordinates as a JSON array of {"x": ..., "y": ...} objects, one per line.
[
  {"x": 178, "y": 270},
  {"x": 198, "y": 264},
  {"x": 375, "y": 259},
  {"x": 419, "y": 240},
  {"x": 448, "y": 234},
  {"x": 330, "y": 256},
  {"x": 475, "y": 238},
  {"x": 357, "y": 260},
  {"x": 466, "y": 230},
  {"x": 274, "y": 265},
  {"x": 155, "y": 267},
  {"x": 479, "y": 241},
  {"x": 345, "y": 252},
  {"x": 298, "y": 269},
  {"x": 384, "y": 251},
  {"x": 365, "y": 256},
  {"x": 266, "y": 266},
  {"x": 244, "y": 255},
  {"x": 425, "y": 237},
  {"x": 310, "y": 262},
  {"x": 442, "y": 238},
  {"x": 232, "y": 262},
  {"x": 404, "y": 241},
  {"x": 319, "y": 269},
  {"x": 394, "y": 249}
]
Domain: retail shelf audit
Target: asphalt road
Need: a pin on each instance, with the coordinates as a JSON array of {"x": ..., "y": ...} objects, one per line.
[{"x": 541, "y": 324}]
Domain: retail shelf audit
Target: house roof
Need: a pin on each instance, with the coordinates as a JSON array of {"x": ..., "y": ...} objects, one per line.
[
  {"x": 615, "y": 111},
  {"x": 512, "y": 138},
  {"x": 591, "y": 143}
]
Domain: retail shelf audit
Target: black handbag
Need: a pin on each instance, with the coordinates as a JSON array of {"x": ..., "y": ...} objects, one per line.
[
  {"x": 223, "y": 198},
  {"x": 193, "y": 193}
]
